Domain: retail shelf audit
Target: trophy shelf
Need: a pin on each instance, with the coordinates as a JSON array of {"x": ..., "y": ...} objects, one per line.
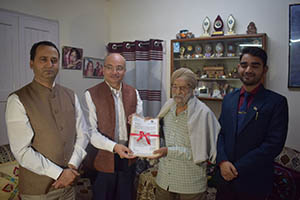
[
  {"x": 214, "y": 59},
  {"x": 208, "y": 58}
]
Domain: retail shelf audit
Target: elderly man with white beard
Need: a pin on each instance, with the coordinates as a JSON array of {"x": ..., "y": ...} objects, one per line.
[{"x": 190, "y": 130}]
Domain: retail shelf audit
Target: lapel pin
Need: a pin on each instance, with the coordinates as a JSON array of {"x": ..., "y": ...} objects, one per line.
[{"x": 256, "y": 115}]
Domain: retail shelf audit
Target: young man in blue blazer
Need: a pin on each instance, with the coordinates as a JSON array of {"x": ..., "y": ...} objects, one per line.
[{"x": 254, "y": 124}]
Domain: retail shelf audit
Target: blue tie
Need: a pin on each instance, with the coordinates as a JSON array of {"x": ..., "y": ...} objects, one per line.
[{"x": 243, "y": 111}]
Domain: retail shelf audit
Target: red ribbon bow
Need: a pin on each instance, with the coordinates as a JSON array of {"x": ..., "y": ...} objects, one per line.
[{"x": 142, "y": 134}]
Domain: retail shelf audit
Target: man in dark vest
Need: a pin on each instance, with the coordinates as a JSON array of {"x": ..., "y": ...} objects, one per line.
[
  {"x": 46, "y": 130},
  {"x": 108, "y": 106}
]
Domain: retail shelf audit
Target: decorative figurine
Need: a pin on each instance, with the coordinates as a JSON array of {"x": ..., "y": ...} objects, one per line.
[
  {"x": 206, "y": 26},
  {"x": 230, "y": 24},
  {"x": 218, "y": 26},
  {"x": 251, "y": 28},
  {"x": 183, "y": 34}
]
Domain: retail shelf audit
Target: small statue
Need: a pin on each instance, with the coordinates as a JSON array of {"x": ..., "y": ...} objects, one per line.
[{"x": 251, "y": 28}]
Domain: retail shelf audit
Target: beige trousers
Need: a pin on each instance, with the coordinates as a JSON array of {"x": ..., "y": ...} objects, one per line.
[{"x": 67, "y": 193}]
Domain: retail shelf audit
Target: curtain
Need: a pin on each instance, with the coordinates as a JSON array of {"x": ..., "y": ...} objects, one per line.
[{"x": 144, "y": 70}]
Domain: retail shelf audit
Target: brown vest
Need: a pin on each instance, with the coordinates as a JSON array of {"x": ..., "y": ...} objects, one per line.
[
  {"x": 51, "y": 113},
  {"x": 105, "y": 109}
]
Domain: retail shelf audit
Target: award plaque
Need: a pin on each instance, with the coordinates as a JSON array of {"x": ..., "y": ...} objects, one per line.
[
  {"x": 230, "y": 24},
  {"x": 207, "y": 50},
  {"x": 206, "y": 26},
  {"x": 218, "y": 26},
  {"x": 198, "y": 51},
  {"x": 144, "y": 136},
  {"x": 219, "y": 48},
  {"x": 230, "y": 49}
]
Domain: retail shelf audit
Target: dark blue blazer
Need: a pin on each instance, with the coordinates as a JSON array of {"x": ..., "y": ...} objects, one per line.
[{"x": 259, "y": 141}]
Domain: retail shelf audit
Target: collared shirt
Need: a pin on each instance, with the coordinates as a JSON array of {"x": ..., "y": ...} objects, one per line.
[
  {"x": 177, "y": 172},
  {"x": 89, "y": 109},
  {"x": 20, "y": 135},
  {"x": 250, "y": 98}
]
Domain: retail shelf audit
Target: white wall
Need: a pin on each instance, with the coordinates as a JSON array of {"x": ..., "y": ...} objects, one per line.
[
  {"x": 82, "y": 24},
  {"x": 144, "y": 19}
]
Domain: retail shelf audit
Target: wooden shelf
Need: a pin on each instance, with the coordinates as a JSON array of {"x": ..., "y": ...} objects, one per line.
[
  {"x": 232, "y": 45},
  {"x": 207, "y": 58}
]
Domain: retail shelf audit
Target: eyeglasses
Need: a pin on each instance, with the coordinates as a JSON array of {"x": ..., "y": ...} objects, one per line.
[
  {"x": 111, "y": 68},
  {"x": 181, "y": 88}
]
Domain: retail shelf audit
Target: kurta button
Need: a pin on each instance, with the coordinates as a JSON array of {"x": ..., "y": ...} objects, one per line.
[{"x": 55, "y": 111}]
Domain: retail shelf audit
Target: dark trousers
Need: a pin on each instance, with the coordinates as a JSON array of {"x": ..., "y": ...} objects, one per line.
[
  {"x": 117, "y": 185},
  {"x": 228, "y": 193}
]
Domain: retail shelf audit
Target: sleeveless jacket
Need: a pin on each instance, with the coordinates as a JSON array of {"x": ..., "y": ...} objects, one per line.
[
  {"x": 101, "y": 95},
  {"x": 51, "y": 113}
]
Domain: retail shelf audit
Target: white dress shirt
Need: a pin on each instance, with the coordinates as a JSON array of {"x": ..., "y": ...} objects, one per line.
[
  {"x": 20, "y": 135},
  {"x": 89, "y": 109}
]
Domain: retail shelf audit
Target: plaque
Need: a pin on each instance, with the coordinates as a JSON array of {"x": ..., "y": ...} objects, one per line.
[
  {"x": 206, "y": 26},
  {"x": 176, "y": 47},
  {"x": 219, "y": 48},
  {"x": 144, "y": 136},
  {"x": 198, "y": 51},
  {"x": 230, "y": 49},
  {"x": 230, "y": 24},
  {"x": 208, "y": 50},
  {"x": 218, "y": 26}
]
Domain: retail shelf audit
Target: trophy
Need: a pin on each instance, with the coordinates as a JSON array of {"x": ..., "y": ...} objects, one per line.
[
  {"x": 189, "y": 51},
  {"x": 206, "y": 26},
  {"x": 182, "y": 50},
  {"x": 218, "y": 26},
  {"x": 219, "y": 48},
  {"x": 230, "y": 24}
]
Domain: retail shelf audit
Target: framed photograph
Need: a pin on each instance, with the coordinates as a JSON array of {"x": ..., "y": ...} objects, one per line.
[
  {"x": 294, "y": 46},
  {"x": 93, "y": 68},
  {"x": 72, "y": 58}
]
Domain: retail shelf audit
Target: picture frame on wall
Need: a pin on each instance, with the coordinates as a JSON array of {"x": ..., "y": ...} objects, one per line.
[
  {"x": 294, "y": 46},
  {"x": 72, "y": 58},
  {"x": 93, "y": 68}
]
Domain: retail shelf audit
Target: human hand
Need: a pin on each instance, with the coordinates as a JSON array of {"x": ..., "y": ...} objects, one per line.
[
  {"x": 130, "y": 118},
  {"x": 161, "y": 152},
  {"x": 123, "y": 151},
  {"x": 228, "y": 171},
  {"x": 65, "y": 178}
]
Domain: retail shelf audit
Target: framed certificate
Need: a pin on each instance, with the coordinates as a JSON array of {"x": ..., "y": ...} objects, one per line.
[{"x": 144, "y": 136}]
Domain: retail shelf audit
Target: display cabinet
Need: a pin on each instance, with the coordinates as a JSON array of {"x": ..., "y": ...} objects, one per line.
[{"x": 214, "y": 60}]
